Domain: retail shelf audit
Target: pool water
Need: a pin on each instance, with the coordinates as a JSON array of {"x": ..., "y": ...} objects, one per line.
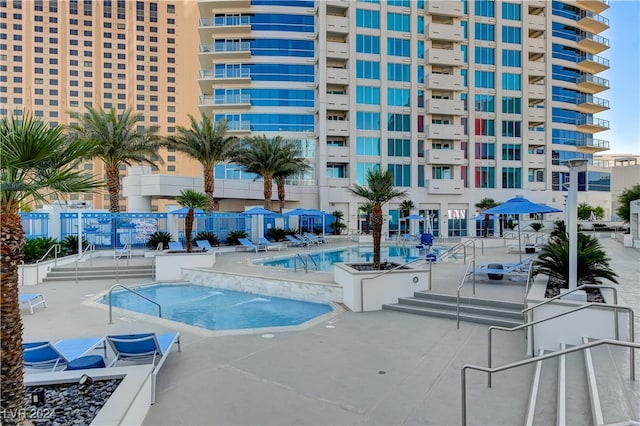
[
  {"x": 217, "y": 309},
  {"x": 363, "y": 254}
]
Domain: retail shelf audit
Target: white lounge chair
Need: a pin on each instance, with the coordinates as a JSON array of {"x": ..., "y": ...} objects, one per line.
[
  {"x": 269, "y": 245},
  {"x": 249, "y": 245},
  {"x": 32, "y": 300},
  {"x": 144, "y": 347}
]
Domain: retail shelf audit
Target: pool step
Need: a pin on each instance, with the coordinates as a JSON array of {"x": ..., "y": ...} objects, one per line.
[
  {"x": 472, "y": 309},
  {"x": 86, "y": 273}
]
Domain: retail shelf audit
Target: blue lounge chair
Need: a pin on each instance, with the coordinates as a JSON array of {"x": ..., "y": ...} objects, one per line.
[
  {"x": 204, "y": 245},
  {"x": 314, "y": 238},
  {"x": 295, "y": 241},
  {"x": 175, "y": 245},
  {"x": 268, "y": 244},
  {"x": 306, "y": 240},
  {"x": 144, "y": 347},
  {"x": 45, "y": 355},
  {"x": 497, "y": 270},
  {"x": 249, "y": 245},
  {"x": 32, "y": 300}
]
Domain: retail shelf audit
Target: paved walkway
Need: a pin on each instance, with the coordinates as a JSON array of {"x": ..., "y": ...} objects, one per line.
[{"x": 376, "y": 368}]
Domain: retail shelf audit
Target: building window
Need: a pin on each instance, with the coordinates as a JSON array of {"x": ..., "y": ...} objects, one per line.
[
  {"x": 511, "y": 177},
  {"x": 485, "y": 55},
  {"x": 485, "y": 79},
  {"x": 485, "y": 103},
  {"x": 511, "y": 129},
  {"x": 511, "y": 81},
  {"x": 485, "y": 127},
  {"x": 367, "y": 18},
  {"x": 511, "y": 35},
  {"x": 512, "y": 151},
  {"x": 485, "y": 8},
  {"x": 485, "y": 32},
  {"x": 511, "y": 11},
  {"x": 485, "y": 177}
]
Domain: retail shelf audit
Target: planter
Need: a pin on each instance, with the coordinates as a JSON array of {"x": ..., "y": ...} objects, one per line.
[
  {"x": 169, "y": 266},
  {"x": 369, "y": 290},
  {"x": 529, "y": 249}
]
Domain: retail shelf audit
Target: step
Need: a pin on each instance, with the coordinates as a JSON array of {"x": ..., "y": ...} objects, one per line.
[
  {"x": 98, "y": 268},
  {"x": 533, "y": 393},
  {"x": 122, "y": 275},
  {"x": 488, "y": 310},
  {"x": 578, "y": 407},
  {"x": 545, "y": 410},
  {"x": 449, "y": 314},
  {"x": 619, "y": 396},
  {"x": 470, "y": 300}
]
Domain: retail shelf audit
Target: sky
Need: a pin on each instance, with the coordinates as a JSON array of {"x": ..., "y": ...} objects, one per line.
[{"x": 624, "y": 78}]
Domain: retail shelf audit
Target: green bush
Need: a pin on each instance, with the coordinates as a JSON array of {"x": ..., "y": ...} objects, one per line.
[
  {"x": 157, "y": 238},
  {"x": 209, "y": 236},
  {"x": 35, "y": 248},
  {"x": 276, "y": 234},
  {"x": 537, "y": 226},
  {"x": 232, "y": 237},
  {"x": 70, "y": 244}
]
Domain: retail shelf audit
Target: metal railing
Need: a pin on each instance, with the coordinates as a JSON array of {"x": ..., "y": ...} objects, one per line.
[
  {"x": 134, "y": 292},
  {"x": 56, "y": 249},
  {"x": 90, "y": 248},
  {"x": 472, "y": 265},
  {"x": 461, "y": 247},
  {"x": 304, "y": 262},
  {"x": 561, "y": 314},
  {"x": 463, "y": 413}
]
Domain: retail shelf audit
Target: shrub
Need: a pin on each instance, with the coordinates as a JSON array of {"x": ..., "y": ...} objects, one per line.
[
  {"x": 209, "y": 236},
  {"x": 157, "y": 238},
  {"x": 317, "y": 230},
  {"x": 276, "y": 234},
  {"x": 537, "y": 226},
  {"x": 599, "y": 225},
  {"x": 232, "y": 237},
  {"x": 35, "y": 248},
  {"x": 70, "y": 244}
]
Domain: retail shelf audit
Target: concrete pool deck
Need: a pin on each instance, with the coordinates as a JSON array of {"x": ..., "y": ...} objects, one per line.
[{"x": 375, "y": 368}]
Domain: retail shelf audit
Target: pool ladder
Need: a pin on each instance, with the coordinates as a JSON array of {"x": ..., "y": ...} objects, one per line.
[
  {"x": 134, "y": 292},
  {"x": 304, "y": 262}
]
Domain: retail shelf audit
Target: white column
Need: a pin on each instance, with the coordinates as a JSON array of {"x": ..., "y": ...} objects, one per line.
[{"x": 575, "y": 166}]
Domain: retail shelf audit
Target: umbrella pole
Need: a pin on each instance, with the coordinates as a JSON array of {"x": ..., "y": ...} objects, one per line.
[{"x": 519, "y": 239}]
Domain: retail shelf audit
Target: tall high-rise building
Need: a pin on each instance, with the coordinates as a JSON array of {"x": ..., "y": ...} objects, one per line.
[
  {"x": 58, "y": 56},
  {"x": 460, "y": 100}
]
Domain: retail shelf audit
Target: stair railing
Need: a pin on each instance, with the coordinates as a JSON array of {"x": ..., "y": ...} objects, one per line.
[
  {"x": 56, "y": 249},
  {"x": 472, "y": 266},
  {"x": 90, "y": 248},
  {"x": 463, "y": 414},
  {"x": 558, "y": 296},
  {"x": 134, "y": 292},
  {"x": 295, "y": 262},
  {"x": 561, "y": 314},
  {"x": 461, "y": 246}
]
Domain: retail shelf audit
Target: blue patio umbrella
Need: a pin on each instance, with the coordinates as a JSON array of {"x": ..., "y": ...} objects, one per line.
[
  {"x": 520, "y": 205},
  {"x": 296, "y": 212},
  {"x": 415, "y": 217},
  {"x": 307, "y": 212},
  {"x": 258, "y": 211},
  {"x": 185, "y": 210}
]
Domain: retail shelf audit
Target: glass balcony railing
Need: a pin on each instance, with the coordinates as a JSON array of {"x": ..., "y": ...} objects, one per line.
[
  {"x": 588, "y": 78},
  {"x": 231, "y": 72},
  {"x": 590, "y": 99},
  {"x": 225, "y": 99},
  {"x": 226, "y": 21},
  {"x": 595, "y": 58},
  {"x": 594, "y": 143},
  {"x": 593, "y": 37},
  {"x": 592, "y": 121},
  {"x": 239, "y": 125},
  {"x": 226, "y": 47},
  {"x": 596, "y": 17}
]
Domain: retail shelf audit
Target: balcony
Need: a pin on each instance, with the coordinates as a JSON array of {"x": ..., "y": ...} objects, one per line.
[
  {"x": 537, "y": 23},
  {"x": 231, "y": 74},
  {"x": 592, "y": 43},
  {"x": 337, "y": 4},
  {"x": 444, "y": 8},
  {"x": 239, "y": 126},
  {"x": 444, "y": 156},
  {"x": 444, "y": 57},
  {"x": 207, "y": 7},
  {"x": 338, "y": 102},
  {"x": 337, "y": 50},
  {"x": 231, "y": 101},
  {"x": 536, "y": 91},
  {"x": 591, "y": 104},
  {"x": 592, "y": 84},
  {"x": 339, "y": 76},
  {"x": 593, "y": 64},
  {"x": 338, "y": 153},
  {"x": 593, "y": 145},
  {"x": 227, "y": 50},
  {"x": 537, "y": 68},
  {"x": 536, "y": 45},
  {"x": 595, "y": 6},
  {"x": 223, "y": 25},
  {"x": 591, "y": 124},
  {"x": 444, "y": 186},
  {"x": 444, "y": 82},
  {"x": 445, "y": 131},
  {"x": 593, "y": 23},
  {"x": 444, "y": 32},
  {"x": 534, "y": 161},
  {"x": 444, "y": 107},
  {"x": 536, "y": 116},
  {"x": 535, "y": 139},
  {"x": 337, "y": 127},
  {"x": 337, "y": 25}
]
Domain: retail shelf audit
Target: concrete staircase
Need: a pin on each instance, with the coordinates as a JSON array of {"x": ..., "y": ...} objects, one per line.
[
  {"x": 588, "y": 387},
  {"x": 472, "y": 309},
  {"x": 87, "y": 272}
]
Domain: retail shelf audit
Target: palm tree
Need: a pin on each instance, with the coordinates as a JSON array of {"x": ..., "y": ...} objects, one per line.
[
  {"x": 267, "y": 158},
  {"x": 593, "y": 263},
  {"x": 206, "y": 142},
  {"x": 337, "y": 225},
  {"x": 367, "y": 209},
  {"x": 379, "y": 191},
  {"x": 36, "y": 160},
  {"x": 292, "y": 165},
  {"x": 192, "y": 200},
  {"x": 117, "y": 142},
  {"x": 485, "y": 204}
]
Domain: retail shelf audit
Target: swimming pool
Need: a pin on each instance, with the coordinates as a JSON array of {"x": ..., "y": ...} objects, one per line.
[
  {"x": 217, "y": 309},
  {"x": 326, "y": 258}
]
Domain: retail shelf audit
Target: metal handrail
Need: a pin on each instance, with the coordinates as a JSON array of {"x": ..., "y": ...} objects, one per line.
[
  {"x": 490, "y": 371},
  {"x": 90, "y": 247},
  {"x": 295, "y": 263},
  {"x": 464, "y": 279},
  {"x": 134, "y": 292},
  {"x": 56, "y": 249},
  {"x": 561, "y": 314},
  {"x": 386, "y": 271},
  {"x": 455, "y": 249},
  {"x": 527, "y": 286},
  {"x": 313, "y": 261}
]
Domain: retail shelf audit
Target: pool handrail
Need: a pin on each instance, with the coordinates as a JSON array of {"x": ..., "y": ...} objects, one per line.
[
  {"x": 134, "y": 292},
  {"x": 472, "y": 266}
]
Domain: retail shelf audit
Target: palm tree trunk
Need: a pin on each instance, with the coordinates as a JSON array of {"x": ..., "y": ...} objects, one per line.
[
  {"x": 485, "y": 228},
  {"x": 377, "y": 235},
  {"x": 113, "y": 185},
  {"x": 208, "y": 189},
  {"x": 268, "y": 191},
  {"x": 281, "y": 193},
  {"x": 11, "y": 368},
  {"x": 188, "y": 228}
]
